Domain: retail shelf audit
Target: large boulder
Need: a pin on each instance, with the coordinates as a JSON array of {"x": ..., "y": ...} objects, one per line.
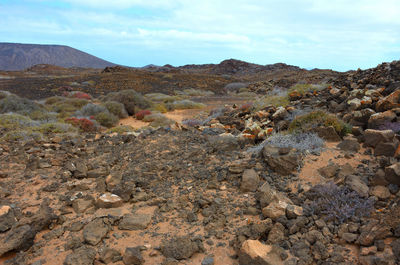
[
  {"x": 282, "y": 160},
  {"x": 378, "y": 119},
  {"x": 374, "y": 137},
  {"x": 389, "y": 102},
  {"x": 18, "y": 238},
  {"x": 253, "y": 252},
  {"x": 392, "y": 173}
]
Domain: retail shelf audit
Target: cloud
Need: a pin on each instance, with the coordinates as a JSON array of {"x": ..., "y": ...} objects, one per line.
[{"x": 308, "y": 33}]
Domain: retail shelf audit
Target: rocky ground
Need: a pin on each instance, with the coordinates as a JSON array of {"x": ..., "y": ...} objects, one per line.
[{"x": 229, "y": 189}]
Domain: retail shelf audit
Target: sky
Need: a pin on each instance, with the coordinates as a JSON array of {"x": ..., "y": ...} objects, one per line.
[{"x": 335, "y": 34}]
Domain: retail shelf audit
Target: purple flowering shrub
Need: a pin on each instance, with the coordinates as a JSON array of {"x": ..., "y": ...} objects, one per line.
[
  {"x": 394, "y": 126},
  {"x": 336, "y": 203}
]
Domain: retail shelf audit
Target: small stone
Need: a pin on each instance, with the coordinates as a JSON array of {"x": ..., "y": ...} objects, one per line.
[
  {"x": 365, "y": 251},
  {"x": 109, "y": 200},
  {"x": 95, "y": 231},
  {"x": 349, "y": 144},
  {"x": 275, "y": 210},
  {"x": 135, "y": 222},
  {"x": 349, "y": 237},
  {"x": 250, "y": 180},
  {"x": 133, "y": 256},
  {"x": 381, "y": 192},
  {"x": 80, "y": 205},
  {"x": 254, "y": 252},
  {"x": 7, "y": 218},
  {"x": 109, "y": 255},
  {"x": 207, "y": 261}
]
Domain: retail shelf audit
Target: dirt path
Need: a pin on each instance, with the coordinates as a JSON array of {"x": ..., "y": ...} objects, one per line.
[{"x": 180, "y": 115}]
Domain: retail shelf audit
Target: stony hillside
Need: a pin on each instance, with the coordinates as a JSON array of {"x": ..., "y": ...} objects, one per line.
[
  {"x": 302, "y": 174},
  {"x": 17, "y": 56}
]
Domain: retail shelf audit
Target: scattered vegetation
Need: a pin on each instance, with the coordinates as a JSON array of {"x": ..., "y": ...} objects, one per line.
[
  {"x": 192, "y": 122},
  {"x": 186, "y": 104},
  {"x": 312, "y": 120},
  {"x": 336, "y": 203},
  {"x": 120, "y": 129},
  {"x": 78, "y": 94},
  {"x": 160, "y": 97},
  {"x": 276, "y": 101}
]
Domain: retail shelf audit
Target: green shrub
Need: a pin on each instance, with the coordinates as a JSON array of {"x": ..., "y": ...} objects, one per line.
[
  {"x": 120, "y": 129},
  {"x": 4, "y": 94},
  {"x": 55, "y": 127},
  {"x": 77, "y": 102},
  {"x": 316, "y": 119},
  {"x": 302, "y": 89},
  {"x": 186, "y": 104},
  {"x": 15, "y": 104},
  {"x": 132, "y": 100},
  {"x": 43, "y": 115},
  {"x": 276, "y": 101},
  {"x": 116, "y": 108},
  {"x": 54, "y": 100},
  {"x": 19, "y": 136},
  {"x": 160, "y": 107},
  {"x": 91, "y": 110},
  {"x": 160, "y": 97},
  {"x": 106, "y": 119},
  {"x": 14, "y": 121}
]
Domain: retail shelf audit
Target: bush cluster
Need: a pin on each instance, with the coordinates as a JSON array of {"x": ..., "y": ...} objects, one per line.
[
  {"x": 336, "y": 203},
  {"x": 116, "y": 108},
  {"x": 185, "y": 104},
  {"x": 132, "y": 100},
  {"x": 316, "y": 119}
]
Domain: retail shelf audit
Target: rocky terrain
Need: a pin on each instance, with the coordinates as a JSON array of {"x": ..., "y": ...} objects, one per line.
[
  {"x": 18, "y": 56},
  {"x": 306, "y": 172}
]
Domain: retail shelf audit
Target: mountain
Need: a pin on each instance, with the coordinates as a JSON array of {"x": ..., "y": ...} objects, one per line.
[{"x": 17, "y": 56}]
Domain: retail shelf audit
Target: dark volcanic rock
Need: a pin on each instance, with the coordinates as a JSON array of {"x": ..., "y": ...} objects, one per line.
[{"x": 179, "y": 248}]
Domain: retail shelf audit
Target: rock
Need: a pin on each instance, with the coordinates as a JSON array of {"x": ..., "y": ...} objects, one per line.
[
  {"x": 250, "y": 180},
  {"x": 279, "y": 114},
  {"x": 7, "y": 218},
  {"x": 97, "y": 172},
  {"x": 80, "y": 169},
  {"x": 293, "y": 211},
  {"x": 266, "y": 194},
  {"x": 349, "y": 144},
  {"x": 109, "y": 255},
  {"x": 179, "y": 248},
  {"x": 253, "y": 252},
  {"x": 80, "y": 205},
  {"x": 223, "y": 142},
  {"x": 381, "y": 192},
  {"x": 379, "y": 178},
  {"x": 135, "y": 221},
  {"x": 81, "y": 256},
  {"x": 328, "y": 134},
  {"x": 386, "y": 149},
  {"x": 277, "y": 233},
  {"x": 281, "y": 160},
  {"x": 390, "y": 102},
  {"x": 109, "y": 200},
  {"x": 328, "y": 171},
  {"x": 392, "y": 174},
  {"x": 133, "y": 256},
  {"x": 18, "y": 238},
  {"x": 207, "y": 261},
  {"x": 355, "y": 183},
  {"x": 365, "y": 251},
  {"x": 95, "y": 231},
  {"x": 349, "y": 237},
  {"x": 396, "y": 248},
  {"x": 275, "y": 210},
  {"x": 378, "y": 119},
  {"x": 372, "y": 231},
  {"x": 374, "y": 137}
]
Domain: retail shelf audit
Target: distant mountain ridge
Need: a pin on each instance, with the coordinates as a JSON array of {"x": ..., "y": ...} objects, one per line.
[{"x": 18, "y": 56}]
